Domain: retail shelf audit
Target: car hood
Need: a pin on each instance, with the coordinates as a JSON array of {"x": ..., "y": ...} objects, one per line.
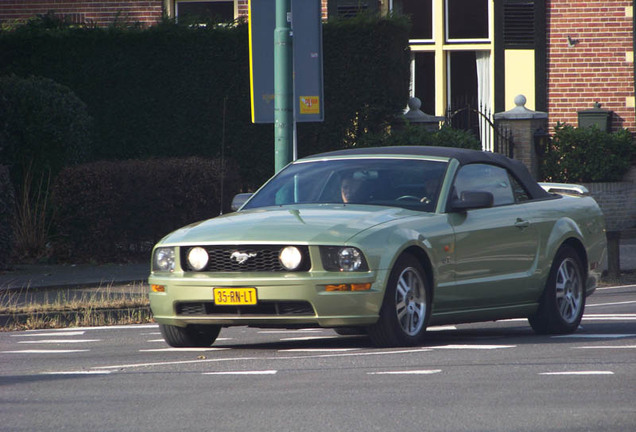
[{"x": 325, "y": 224}]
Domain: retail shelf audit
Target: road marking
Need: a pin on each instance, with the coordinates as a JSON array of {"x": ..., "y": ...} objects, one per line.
[
  {"x": 579, "y": 373},
  {"x": 82, "y": 372},
  {"x": 615, "y": 287},
  {"x": 183, "y": 362},
  {"x": 610, "y": 317},
  {"x": 59, "y": 341},
  {"x": 610, "y": 304},
  {"x": 593, "y": 336},
  {"x": 68, "y": 333},
  {"x": 608, "y": 347},
  {"x": 314, "y": 350},
  {"x": 115, "y": 327},
  {"x": 291, "y": 331},
  {"x": 263, "y": 372},
  {"x": 308, "y": 338},
  {"x": 413, "y": 372},
  {"x": 474, "y": 347},
  {"x": 44, "y": 351},
  {"x": 441, "y": 328},
  {"x": 182, "y": 349}
]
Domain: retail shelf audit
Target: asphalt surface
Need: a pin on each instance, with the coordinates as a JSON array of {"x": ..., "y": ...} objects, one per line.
[{"x": 24, "y": 277}]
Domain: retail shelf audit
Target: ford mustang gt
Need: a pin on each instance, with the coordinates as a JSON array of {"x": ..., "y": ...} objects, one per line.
[{"x": 384, "y": 241}]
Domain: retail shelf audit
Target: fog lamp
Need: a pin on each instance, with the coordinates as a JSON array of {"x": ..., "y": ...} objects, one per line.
[
  {"x": 290, "y": 257},
  {"x": 198, "y": 258}
]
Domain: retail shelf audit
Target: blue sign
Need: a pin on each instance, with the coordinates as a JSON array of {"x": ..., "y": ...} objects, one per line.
[{"x": 306, "y": 24}]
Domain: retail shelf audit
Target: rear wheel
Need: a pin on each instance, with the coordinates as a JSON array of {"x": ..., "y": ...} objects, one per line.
[
  {"x": 192, "y": 336},
  {"x": 563, "y": 300},
  {"x": 406, "y": 307}
]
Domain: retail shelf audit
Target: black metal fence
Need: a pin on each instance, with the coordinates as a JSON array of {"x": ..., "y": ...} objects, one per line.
[{"x": 480, "y": 121}]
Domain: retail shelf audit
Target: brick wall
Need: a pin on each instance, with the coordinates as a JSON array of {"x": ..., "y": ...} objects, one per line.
[
  {"x": 600, "y": 64},
  {"x": 100, "y": 12}
]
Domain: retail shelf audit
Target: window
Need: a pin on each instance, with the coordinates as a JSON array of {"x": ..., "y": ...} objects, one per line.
[
  {"x": 485, "y": 178},
  {"x": 423, "y": 79},
  {"x": 421, "y": 14},
  {"x": 467, "y": 19},
  {"x": 204, "y": 11}
]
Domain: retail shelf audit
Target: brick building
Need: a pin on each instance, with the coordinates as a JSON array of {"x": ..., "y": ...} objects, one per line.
[{"x": 563, "y": 55}]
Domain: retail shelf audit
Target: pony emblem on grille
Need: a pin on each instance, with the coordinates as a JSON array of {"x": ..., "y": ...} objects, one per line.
[{"x": 241, "y": 257}]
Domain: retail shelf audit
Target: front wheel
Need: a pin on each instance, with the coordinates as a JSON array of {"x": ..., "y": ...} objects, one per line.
[
  {"x": 406, "y": 307},
  {"x": 563, "y": 300},
  {"x": 192, "y": 336}
]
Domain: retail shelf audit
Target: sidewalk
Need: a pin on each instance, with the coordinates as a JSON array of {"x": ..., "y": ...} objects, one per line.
[
  {"x": 68, "y": 276},
  {"x": 86, "y": 275}
]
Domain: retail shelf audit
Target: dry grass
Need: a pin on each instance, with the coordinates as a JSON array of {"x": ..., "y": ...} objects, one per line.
[{"x": 39, "y": 309}]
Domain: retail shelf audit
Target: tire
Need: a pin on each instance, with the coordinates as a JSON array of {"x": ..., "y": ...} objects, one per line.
[
  {"x": 192, "y": 336},
  {"x": 406, "y": 308},
  {"x": 563, "y": 300}
]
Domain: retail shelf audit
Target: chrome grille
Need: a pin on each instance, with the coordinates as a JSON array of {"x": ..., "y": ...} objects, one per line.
[{"x": 261, "y": 258}]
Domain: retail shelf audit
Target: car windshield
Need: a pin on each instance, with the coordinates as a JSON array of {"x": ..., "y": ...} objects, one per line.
[{"x": 407, "y": 183}]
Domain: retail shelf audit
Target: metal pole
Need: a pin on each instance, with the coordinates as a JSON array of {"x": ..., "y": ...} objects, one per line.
[{"x": 283, "y": 86}]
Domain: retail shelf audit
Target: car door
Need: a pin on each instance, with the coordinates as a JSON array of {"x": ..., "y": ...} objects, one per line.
[{"x": 495, "y": 248}]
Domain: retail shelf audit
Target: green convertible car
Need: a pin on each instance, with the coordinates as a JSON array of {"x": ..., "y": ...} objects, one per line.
[{"x": 385, "y": 242}]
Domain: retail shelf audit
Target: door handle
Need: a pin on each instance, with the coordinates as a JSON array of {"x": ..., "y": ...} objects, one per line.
[{"x": 522, "y": 223}]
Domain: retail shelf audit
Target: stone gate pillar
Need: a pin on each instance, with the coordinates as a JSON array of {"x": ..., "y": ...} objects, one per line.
[{"x": 525, "y": 126}]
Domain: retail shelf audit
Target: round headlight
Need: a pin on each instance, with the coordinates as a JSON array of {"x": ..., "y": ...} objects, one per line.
[
  {"x": 198, "y": 258},
  {"x": 164, "y": 259},
  {"x": 349, "y": 259},
  {"x": 290, "y": 257}
]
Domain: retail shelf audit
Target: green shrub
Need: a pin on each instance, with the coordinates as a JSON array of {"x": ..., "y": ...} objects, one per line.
[
  {"x": 581, "y": 155},
  {"x": 44, "y": 127},
  {"x": 116, "y": 211},
  {"x": 6, "y": 216},
  {"x": 411, "y": 134},
  {"x": 171, "y": 90}
]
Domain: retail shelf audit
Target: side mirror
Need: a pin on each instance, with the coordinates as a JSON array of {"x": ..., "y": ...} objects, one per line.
[
  {"x": 239, "y": 200},
  {"x": 472, "y": 200}
]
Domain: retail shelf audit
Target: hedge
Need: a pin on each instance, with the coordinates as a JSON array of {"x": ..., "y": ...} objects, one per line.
[
  {"x": 583, "y": 155},
  {"x": 44, "y": 126},
  {"x": 172, "y": 90},
  {"x": 116, "y": 211},
  {"x": 7, "y": 200}
]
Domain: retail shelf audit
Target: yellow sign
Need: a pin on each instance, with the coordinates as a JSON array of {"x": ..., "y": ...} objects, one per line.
[{"x": 310, "y": 105}]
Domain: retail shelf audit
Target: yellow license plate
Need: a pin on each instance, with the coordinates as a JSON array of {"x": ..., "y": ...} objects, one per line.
[{"x": 235, "y": 296}]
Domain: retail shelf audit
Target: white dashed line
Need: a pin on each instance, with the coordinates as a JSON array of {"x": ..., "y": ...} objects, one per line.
[
  {"x": 316, "y": 350},
  {"x": 264, "y": 372},
  {"x": 59, "y": 341},
  {"x": 579, "y": 373},
  {"x": 44, "y": 351},
  {"x": 610, "y": 304},
  {"x": 56, "y": 334},
  {"x": 593, "y": 336},
  {"x": 183, "y": 349},
  {"x": 413, "y": 372},
  {"x": 608, "y": 347},
  {"x": 83, "y": 372},
  {"x": 474, "y": 347}
]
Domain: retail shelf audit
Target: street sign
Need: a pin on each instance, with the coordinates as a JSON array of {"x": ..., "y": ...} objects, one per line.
[{"x": 306, "y": 24}]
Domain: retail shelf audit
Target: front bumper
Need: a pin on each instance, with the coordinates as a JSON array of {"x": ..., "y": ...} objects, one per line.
[{"x": 298, "y": 299}]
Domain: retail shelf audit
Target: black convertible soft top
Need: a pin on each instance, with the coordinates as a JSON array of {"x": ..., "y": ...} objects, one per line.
[{"x": 463, "y": 156}]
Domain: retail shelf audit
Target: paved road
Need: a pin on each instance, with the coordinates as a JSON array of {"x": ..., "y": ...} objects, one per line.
[{"x": 478, "y": 377}]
